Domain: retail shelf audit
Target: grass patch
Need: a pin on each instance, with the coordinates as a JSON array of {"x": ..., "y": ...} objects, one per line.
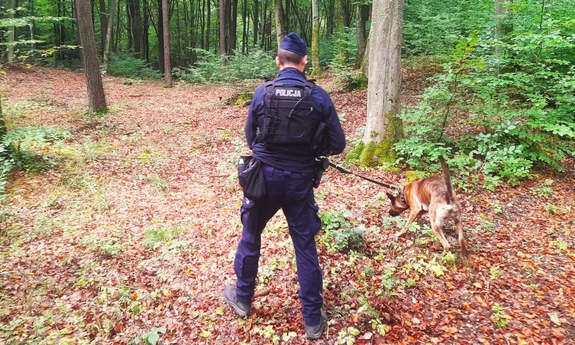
[{"x": 154, "y": 238}]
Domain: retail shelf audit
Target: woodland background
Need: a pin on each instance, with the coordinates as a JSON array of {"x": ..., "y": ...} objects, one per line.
[{"x": 119, "y": 224}]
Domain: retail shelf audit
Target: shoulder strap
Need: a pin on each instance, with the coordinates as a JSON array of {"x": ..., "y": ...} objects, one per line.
[{"x": 309, "y": 86}]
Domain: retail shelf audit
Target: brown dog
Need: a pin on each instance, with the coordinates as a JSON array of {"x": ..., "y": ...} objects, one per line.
[{"x": 434, "y": 195}]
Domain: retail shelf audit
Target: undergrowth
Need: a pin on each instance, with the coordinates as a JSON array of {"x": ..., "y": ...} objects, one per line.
[
  {"x": 498, "y": 115},
  {"x": 22, "y": 147}
]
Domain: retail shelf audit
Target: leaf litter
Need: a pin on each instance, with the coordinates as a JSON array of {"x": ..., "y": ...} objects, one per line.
[{"x": 131, "y": 238}]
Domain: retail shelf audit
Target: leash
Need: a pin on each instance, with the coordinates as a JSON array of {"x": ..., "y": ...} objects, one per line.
[{"x": 345, "y": 171}]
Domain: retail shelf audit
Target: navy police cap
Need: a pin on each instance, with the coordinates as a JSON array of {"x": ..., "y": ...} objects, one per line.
[{"x": 293, "y": 43}]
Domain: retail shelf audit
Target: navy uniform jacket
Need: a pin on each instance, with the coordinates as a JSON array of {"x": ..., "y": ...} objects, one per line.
[{"x": 322, "y": 108}]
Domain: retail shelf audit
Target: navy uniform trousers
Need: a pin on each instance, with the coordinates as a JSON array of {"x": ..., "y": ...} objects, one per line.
[{"x": 293, "y": 193}]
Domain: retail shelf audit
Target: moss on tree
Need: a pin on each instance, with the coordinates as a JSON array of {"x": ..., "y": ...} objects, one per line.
[{"x": 379, "y": 153}]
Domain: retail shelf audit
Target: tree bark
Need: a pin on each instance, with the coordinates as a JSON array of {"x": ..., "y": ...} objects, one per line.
[
  {"x": 167, "y": 62},
  {"x": 3, "y": 129},
  {"x": 223, "y": 30},
  {"x": 339, "y": 16},
  {"x": 103, "y": 23},
  {"x": 146, "y": 28},
  {"x": 209, "y": 27},
  {"x": 108, "y": 40},
  {"x": 279, "y": 16},
  {"x": 232, "y": 26},
  {"x": 96, "y": 97},
  {"x": 383, "y": 128},
  {"x": 316, "y": 68},
  {"x": 361, "y": 20},
  {"x": 245, "y": 25},
  {"x": 330, "y": 10},
  {"x": 160, "y": 33},
  {"x": 256, "y": 21},
  {"x": 12, "y": 8},
  {"x": 135, "y": 26}
]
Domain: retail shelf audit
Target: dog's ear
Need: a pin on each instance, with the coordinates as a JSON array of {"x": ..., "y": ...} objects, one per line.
[{"x": 390, "y": 196}]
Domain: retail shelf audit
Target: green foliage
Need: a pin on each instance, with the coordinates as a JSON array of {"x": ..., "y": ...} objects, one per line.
[
  {"x": 340, "y": 235},
  {"x": 125, "y": 65},
  {"x": 543, "y": 189},
  {"x": 340, "y": 55},
  {"x": 499, "y": 316},
  {"x": 343, "y": 51},
  {"x": 209, "y": 67},
  {"x": 153, "y": 336},
  {"x": 19, "y": 146},
  {"x": 519, "y": 107},
  {"x": 154, "y": 238},
  {"x": 434, "y": 27}
]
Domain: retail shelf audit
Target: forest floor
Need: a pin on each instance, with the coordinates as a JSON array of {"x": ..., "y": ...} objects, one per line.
[{"x": 130, "y": 238}]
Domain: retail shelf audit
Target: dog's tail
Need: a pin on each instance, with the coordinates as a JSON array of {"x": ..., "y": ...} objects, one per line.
[{"x": 447, "y": 178}]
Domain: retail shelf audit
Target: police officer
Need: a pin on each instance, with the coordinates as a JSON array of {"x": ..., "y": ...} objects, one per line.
[{"x": 283, "y": 117}]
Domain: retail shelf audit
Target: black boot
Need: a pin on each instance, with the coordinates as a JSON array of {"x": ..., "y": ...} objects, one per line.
[
  {"x": 230, "y": 297},
  {"x": 315, "y": 332}
]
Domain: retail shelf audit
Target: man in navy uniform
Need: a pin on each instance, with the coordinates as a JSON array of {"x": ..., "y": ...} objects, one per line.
[{"x": 283, "y": 120}]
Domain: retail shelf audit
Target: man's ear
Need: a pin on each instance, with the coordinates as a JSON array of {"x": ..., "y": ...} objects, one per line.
[{"x": 278, "y": 62}]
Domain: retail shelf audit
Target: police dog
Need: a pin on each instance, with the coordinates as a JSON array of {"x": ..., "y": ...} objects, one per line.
[{"x": 434, "y": 195}]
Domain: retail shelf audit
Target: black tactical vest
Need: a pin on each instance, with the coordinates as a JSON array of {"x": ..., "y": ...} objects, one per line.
[{"x": 287, "y": 122}]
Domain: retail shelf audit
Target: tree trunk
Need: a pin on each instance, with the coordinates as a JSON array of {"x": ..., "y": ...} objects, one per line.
[
  {"x": 223, "y": 27},
  {"x": 135, "y": 29},
  {"x": 110, "y": 22},
  {"x": 118, "y": 26},
  {"x": 279, "y": 16},
  {"x": 103, "y": 24},
  {"x": 96, "y": 97},
  {"x": 11, "y": 32},
  {"x": 339, "y": 16},
  {"x": 167, "y": 62},
  {"x": 146, "y": 28},
  {"x": 245, "y": 26},
  {"x": 3, "y": 129},
  {"x": 316, "y": 68},
  {"x": 330, "y": 10},
  {"x": 233, "y": 26},
  {"x": 383, "y": 128},
  {"x": 361, "y": 20},
  {"x": 256, "y": 22},
  {"x": 160, "y": 33},
  {"x": 209, "y": 27}
]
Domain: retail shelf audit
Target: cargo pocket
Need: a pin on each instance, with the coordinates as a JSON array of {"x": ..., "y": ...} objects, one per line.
[
  {"x": 248, "y": 214},
  {"x": 315, "y": 217}
]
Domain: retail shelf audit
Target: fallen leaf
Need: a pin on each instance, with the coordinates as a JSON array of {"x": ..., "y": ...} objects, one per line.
[{"x": 555, "y": 318}]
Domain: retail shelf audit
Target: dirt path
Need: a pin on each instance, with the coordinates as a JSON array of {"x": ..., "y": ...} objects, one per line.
[{"x": 131, "y": 238}]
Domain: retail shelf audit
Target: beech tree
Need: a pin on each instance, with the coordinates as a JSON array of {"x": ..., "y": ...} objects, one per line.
[
  {"x": 108, "y": 38},
  {"x": 11, "y": 10},
  {"x": 166, "y": 32},
  {"x": 96, "y": 97},
  {"x": 316, "y": 68},
  {"x": 383, "y": 128},
  {"x": 280, "y": 19}
]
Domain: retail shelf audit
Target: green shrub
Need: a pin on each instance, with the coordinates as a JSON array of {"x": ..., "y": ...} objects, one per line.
[
  {"x": 498, "y": 114},
  {"x": 125, "y": 65},
  {"x": 209, "y": 67},
  {"x": 340, "y": 234},
  {"x": 17, "y": 149}
]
